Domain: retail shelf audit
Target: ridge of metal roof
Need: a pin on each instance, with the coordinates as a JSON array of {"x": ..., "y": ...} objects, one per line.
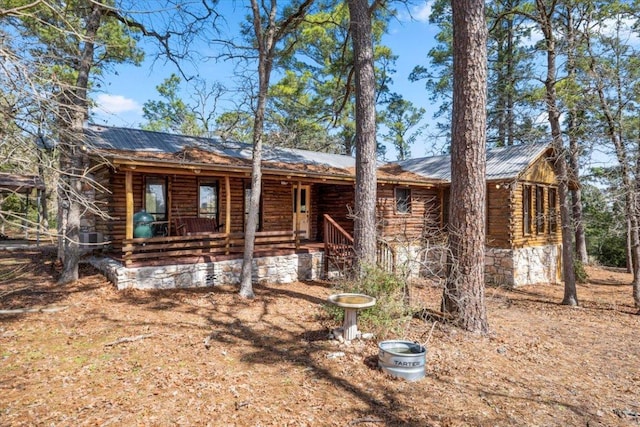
[
  {"x": 118, "y": 138},
  {"x": 502, "y": 163}
]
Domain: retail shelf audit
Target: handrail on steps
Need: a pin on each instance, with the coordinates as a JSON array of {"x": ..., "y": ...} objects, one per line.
[
  {"x": 339, "y": 243},
  {"x": 331, "y": 222}
]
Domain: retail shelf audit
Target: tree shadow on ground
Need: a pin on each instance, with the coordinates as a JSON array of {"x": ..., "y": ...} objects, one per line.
[
  {"x": 220, "y": 315},
  {"x": 22, "y": 286}
]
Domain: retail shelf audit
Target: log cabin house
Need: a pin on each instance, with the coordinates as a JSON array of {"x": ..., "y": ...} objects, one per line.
[
  {"x": 523, "y": 236},
  {"x": 176, "y": 210}
]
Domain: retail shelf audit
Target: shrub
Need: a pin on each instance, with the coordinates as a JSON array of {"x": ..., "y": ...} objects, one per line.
[
  {"x": 390, "y": 314},
  {"x": 613, "y": 251},
  {"x": 580, "y": 272}
]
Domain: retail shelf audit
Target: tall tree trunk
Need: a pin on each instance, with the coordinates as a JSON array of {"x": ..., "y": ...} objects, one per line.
[
  {"x": 560, "y": 161},
  {"x": 365, "y": 192},
  {"x": 573, "y": 128},
  {"x": 630, "y": 194},
  {"x": 576, "y": 196},
  {"x": 511, "y": 79},
  {"x": 635, "y": 233},
  {"x": 265, "y": 40},
  {"x": 73, "y": 160},
  {"x": 632, "y": 210},
  {"x": 464, "y": 290}
]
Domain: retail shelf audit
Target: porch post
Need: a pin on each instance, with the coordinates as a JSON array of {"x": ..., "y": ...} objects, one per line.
[
  {"x": 227, "y": 211},
  {"x": 442, "y": 207},
  {"x": 297, "y": 214},
  {"x": 128, "y": 186},
  {"x": 169, "y": 217},
  {"x": 25, "y": 220},
  {"x": 39, "y": 206}
]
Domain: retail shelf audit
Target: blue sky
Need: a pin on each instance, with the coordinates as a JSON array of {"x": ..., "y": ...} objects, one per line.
[{"x": 122, "y": 94}]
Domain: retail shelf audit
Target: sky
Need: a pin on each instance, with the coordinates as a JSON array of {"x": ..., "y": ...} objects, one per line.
[{"x": 122, "y": 93}]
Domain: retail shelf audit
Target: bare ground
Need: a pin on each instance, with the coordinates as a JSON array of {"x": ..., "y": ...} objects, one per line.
[{"x": 97, "y": 356}]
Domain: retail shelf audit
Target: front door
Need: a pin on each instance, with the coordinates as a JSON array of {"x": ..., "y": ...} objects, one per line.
[{"x": 301, "y": 210}]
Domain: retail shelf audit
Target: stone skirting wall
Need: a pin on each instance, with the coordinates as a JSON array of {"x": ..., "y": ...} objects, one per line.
[
  {"x": 509, "y": 267},
  {"x": 498, "y": 266},
  {"x": 420, "y": 261},
  {"x": 272, "y": 269},
  {"x": 524, "y": 266}
]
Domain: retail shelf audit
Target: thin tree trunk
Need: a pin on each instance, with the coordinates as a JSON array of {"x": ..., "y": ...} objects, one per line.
[
  {"x": 44, "y": 210},
  {"x": 573, "y": 128},
  {"x": 365, "y": 192},
  {"x": 546, "y": 26},
  {"x": 635, "y": 249},
  {"x": 632, "y": 211},
  {"x": 576, "y": 192},
  {"x": 464, "y": 290},
  {"x": 265, "y": 42},
  {"x": 74, "y": 111}
]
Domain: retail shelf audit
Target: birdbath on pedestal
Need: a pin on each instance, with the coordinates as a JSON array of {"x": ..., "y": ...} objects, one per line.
[{"x": 351, "y": 304}]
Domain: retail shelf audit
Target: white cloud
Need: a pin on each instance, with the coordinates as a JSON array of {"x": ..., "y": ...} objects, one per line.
[
  {"x": 115, "y": 104},
  {"x": 418, "y": 13},
  {"x": 626, "y": 32},
  {"x": 421, "y": 13}
]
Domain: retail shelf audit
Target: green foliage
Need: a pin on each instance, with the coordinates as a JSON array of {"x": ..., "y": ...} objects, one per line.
[
  {"x": 613, "y": 251},
  {"x": 13, "y": 211},
  {"x": 390, "y": 314},
  {"x": 54, "y": 36},
  {"x": 170, "y": 114},
  {"x": 580, "y": 272},
  {"x": 400, "y": 117},
  {"x": 604, "y": 224},
  {"x": 292, "y": 115},
  {"x": 235, "y": 126},
  {"x": 12, "y": 203},
  {"x": 320, "y": 76}
]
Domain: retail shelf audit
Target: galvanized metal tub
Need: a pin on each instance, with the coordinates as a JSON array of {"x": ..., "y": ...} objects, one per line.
[{"x": 402, "y": 359}]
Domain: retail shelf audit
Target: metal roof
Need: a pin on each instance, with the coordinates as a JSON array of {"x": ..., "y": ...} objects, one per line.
[
  {"x": 502, "y": 163},
  {"x": 115, "y": 138}
]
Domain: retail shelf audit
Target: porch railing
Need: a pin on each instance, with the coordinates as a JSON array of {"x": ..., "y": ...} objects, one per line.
[
  {"x": 204, "y": 244},
  {"x": 385, "y": 256},
  {"x": 339, "y": 251},
  {"x": 338, "y": 245}
]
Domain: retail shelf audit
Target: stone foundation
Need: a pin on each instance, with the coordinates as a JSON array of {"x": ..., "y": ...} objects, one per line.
[
  {"x": 421, "y": 261},
  {"x": 524, "y": 266},
  {"x": 509, "y": 267},
  {"x": 273, "y": 269}
]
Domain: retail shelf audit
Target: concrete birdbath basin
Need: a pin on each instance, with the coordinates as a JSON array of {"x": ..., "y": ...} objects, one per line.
[{"x": 351, "y": 304}]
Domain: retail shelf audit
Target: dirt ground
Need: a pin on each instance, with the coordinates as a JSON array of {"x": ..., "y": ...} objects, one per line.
[{"x": 88, "y": 354}]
